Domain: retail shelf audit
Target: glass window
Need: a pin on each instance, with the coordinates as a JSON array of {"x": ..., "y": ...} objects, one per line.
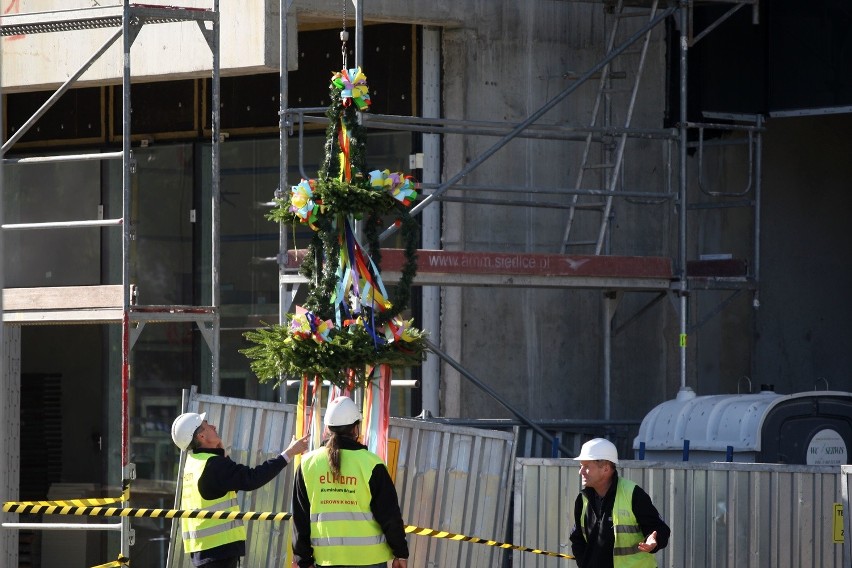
[
  {"x": 161, "y": 266},
  {"x": 161, "y": 209},
  {"x": 50, "y": 192}
]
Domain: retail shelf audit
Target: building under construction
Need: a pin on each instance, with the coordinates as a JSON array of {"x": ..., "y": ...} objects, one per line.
[{"x": 622, "y": 201}]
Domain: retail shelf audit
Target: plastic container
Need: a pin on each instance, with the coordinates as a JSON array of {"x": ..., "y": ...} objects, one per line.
[{"x": 809, "y": 428}]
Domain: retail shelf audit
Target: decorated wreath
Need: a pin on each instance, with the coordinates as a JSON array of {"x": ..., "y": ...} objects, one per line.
[{"x": 349, "y": 324}]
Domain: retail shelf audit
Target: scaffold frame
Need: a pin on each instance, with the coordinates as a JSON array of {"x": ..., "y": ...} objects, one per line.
[{"x": 115, "y": 303}]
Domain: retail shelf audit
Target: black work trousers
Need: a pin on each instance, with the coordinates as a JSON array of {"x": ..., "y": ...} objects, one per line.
[{"x": 233, "y": 562}]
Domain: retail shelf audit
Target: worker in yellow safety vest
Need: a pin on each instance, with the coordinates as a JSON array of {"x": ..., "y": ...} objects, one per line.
[
  {"x": 615, "y": 523},
  {"x": 345, "y": 507},
  {"x": 210, "y": 482}
]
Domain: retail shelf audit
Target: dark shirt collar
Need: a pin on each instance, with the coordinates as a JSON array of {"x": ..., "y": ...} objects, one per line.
[
  {"x": 347, "y": 443},
  {"x": 215, "y": 451}
]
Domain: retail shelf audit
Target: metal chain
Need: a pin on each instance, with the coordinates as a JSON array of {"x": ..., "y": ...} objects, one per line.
[{"x": 344, "y": 36}]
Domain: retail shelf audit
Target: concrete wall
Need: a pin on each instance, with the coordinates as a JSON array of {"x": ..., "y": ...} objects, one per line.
[
  {"x": 248, "y": 35},
  {"x": 803, "y": 331},
  {"x": 542, "y": 348},
  {"x": 797, "y": 336}
]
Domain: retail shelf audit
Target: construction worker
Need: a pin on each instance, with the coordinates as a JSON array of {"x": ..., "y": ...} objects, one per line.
[
  {"x": 615, "y": 523},
  {"x": 345, "y": 507},
  {"x": 210, "y": 482}
]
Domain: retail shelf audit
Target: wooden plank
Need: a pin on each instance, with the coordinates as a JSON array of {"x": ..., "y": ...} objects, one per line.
[
  {"x": 43, "y": 317},
  {"x": 63, "y": 298},
  {"x": 500, "y": 263},
  {"x": 533, "y": 281},
  {"x": 509, "y": 281},
  {"x": 458, "y": 268}
]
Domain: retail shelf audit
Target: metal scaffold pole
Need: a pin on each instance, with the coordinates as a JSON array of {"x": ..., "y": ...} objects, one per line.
[
  {"x": 8, "y": 482},
  {"x": 126, "y": 172},
  {"x": 682, "y": 285},
  {"x": 431, "y": 217},
  {"x": 286, "y": 292},
  {"x": 215, "y": 200}
]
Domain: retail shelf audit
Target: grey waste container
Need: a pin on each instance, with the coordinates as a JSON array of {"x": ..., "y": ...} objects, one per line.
[{"x": 809, "y": 428}]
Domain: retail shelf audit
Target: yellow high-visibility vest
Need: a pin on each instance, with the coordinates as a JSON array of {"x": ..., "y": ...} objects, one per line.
[
  {"x": 343, "y": 529},
  {"x": 628, "y": 533},
  {"x": 204, "y": 534}
]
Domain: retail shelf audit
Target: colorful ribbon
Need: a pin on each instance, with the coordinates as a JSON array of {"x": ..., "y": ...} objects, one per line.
[
  {"x": 359, "y": 284},
  {"x": 376, "y": 413},
  {"x": 308, "y": 408},
  {"x": 344, "y": 140}
]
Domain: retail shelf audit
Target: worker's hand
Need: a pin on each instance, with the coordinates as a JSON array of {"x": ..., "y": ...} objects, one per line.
[
  {"x": 650, "y": 543},
  {"x": 297, "y": 447},
  {"x": 399, "y": 563}
]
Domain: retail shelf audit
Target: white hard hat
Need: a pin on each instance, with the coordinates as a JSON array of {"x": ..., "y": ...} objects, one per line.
[
  {"x": 185, "y": 426},
  {"x": 342, "y": 412},
  {"x": 598, "y": 449}
]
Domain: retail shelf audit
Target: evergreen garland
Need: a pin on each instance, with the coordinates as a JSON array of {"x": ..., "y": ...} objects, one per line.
[
  {"x": 349, "y": 349},
  {"x": 276, "y": 352}
]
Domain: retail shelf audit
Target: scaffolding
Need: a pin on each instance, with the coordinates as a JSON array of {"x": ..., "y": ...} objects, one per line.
[
  {"x": 112, "y": 303},
  {"x": 599, "y": 181}
]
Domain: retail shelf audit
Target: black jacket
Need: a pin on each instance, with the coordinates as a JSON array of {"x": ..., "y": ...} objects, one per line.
[
  {"x": 594, "y": 548},
  {"x": 384, "y": 505},
  {"x": 222, "y": 474}
]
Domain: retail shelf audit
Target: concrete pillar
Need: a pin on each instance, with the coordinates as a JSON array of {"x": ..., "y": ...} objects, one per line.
[{"x": 10, "y": 441}]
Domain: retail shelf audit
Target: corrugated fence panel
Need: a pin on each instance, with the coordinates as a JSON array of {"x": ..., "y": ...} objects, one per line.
[
  {"x": 542, "y": 504},
  {"x": 723, "y": 515},
  {"x": 455, "y": 479},
  {"x": 450, "y": 478}
]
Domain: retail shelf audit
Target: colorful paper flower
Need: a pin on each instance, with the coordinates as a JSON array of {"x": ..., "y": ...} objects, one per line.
[
  {"x": 352, "y": 84},
  {"x": 401, "y": 187},
  {"x": 302, "y": 203},
  {"x": 399, "y": 329},
  {"x": 307, "y": 325}
]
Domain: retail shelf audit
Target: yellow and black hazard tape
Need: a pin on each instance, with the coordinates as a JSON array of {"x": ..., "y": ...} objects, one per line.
[
  {"x": 35, "y": 509},
  {"x": 463, "y": 538},
  {"x": 122, "y": 561},
  {"x": 30, "y": 509},
  {"x": 125, "y": 496}
]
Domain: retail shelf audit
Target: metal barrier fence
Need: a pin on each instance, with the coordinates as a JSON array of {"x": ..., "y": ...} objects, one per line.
[
  {"x": 569, "y": 433},
  {"x": 449, "y": 478},
  {"x": 722, "y": 515}
]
